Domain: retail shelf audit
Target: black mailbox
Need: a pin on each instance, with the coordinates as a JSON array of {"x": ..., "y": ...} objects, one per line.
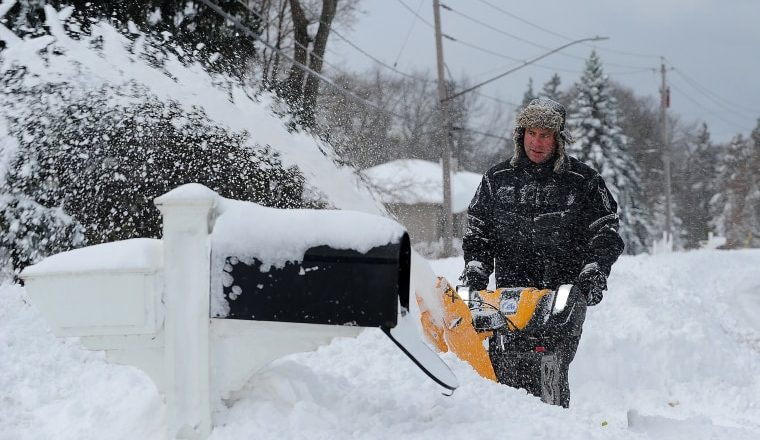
[{"x": 328, "y": 286}]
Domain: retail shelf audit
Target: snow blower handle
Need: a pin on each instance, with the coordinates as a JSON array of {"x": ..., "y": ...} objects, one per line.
[{"x": 523, "y": 308}]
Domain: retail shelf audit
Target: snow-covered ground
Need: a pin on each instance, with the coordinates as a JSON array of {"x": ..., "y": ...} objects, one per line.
[
  {"x": 674, "y": 349},
  {"x": 673, "y": 352}
]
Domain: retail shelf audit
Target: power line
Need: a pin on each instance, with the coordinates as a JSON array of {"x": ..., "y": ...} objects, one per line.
[
  {"x": 415, "y": 77},
  {"x": 507, "y": 57},
  {"x": 520, "y": 19},
  {"x": 712, "y": 95},
  {"x": 690, "y": 98},
  {"x": 495, "y": 29},
  {"x": 728, "y": 108},
  {"x": 408, "y": 34},
  {"x": 475, "y": 92},
  {"x": 376, "y": 60},
  {"x": 482, "y": 133},
  {"x": 499, "y": 100},
  {"x": 248, "y": 32},
  {"x": 416, "y": 14},
  {"x": 697, "y": 103},
  {"x": 476, "y": 47},
  {"x": 717, "y": 115},
  {"x": 524, "y": 64},
  {"x": 635, "y": 71},
  {"x": 268, "y": 23},
  {"x": 509, "y": 14},
  {"x": 504, "y": 56},
  {"x": 350, "y": 43}
]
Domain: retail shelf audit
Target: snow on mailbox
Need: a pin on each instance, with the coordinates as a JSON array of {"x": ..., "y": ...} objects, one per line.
[
  {"x": 107, "y": 289},
  {"x": 230, "y": 287},
  {"x": 324, "y": 267}
]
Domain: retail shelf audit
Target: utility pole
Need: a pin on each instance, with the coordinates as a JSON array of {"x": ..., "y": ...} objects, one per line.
[
  {"x": 664, "y": 104},
  {"x": 448, "y": 222}
]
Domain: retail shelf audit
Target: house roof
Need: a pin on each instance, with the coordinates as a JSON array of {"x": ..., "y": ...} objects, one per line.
[{"x": 412, "y": 181}]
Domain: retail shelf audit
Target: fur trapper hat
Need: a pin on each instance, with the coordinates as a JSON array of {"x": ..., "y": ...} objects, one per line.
[{"x": 542, "y": 113}]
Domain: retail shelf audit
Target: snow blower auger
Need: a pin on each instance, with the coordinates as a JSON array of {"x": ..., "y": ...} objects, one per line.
[{"x": 521, "y": 327}]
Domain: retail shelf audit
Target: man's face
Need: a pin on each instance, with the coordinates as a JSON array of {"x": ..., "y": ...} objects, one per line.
[{"x": 540, "y": 144}]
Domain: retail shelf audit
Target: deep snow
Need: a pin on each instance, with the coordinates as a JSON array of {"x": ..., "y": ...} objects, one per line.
[{"x": 674, "y": 349}]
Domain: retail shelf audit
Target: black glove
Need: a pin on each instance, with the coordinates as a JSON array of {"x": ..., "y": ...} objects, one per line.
[
  {"x": 474, "y": 276},
  {"x": 592, "y": 283}
]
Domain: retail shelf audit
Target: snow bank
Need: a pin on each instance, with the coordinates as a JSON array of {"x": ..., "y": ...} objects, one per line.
[
  {"x": 51, "y": 388},
  {"x": 121, "y": 62},
  {"x": 676, "y": 338},
  {"x": 674, "y": 348}
]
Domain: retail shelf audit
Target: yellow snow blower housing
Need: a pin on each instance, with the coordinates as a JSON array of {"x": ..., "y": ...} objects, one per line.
[{"x": 511, "y": 322}]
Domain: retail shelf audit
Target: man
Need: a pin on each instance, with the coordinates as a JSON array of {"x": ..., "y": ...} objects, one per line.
[{"x": 542, "y": 219}]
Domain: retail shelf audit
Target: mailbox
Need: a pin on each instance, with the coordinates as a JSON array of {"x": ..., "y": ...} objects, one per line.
[{"x": 328, "y": 286}]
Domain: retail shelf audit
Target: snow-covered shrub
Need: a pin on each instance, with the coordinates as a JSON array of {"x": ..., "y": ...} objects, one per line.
[
  {"x": 31, "y": 231},
  {"x": 188, "y": 30},
  {"x": 96, "y": 121},
  {"x": 90, "y": 162}
]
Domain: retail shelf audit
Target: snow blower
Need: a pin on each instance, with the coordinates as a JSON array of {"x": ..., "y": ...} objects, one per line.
[{"x": 510, "y": 335}]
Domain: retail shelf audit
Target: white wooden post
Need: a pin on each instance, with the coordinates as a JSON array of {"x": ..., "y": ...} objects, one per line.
[{"x": 186, "y": 223}]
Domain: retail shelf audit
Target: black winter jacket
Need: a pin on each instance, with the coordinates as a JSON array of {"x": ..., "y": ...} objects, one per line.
[{"x": 539, "y": 227}]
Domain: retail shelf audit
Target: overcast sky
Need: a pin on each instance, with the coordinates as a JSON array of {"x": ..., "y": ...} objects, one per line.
[{"x": 711, "y": 48}]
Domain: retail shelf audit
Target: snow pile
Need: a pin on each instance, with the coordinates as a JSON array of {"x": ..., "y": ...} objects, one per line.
[
  {"x": 122, "y": 62},
  {"x": 277, "y": 236},
  {"x": 673, "y": 350},
  {"x": 138, "y": 254},
  {"x": 52, "y": 388},
  {"x": 411, "y": 181}
]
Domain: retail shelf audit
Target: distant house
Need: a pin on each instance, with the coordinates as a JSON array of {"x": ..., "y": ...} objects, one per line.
[{"x": 412, "y": 190}]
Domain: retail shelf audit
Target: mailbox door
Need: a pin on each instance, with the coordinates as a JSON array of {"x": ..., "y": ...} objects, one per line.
[{"x": 329, "y": 286}]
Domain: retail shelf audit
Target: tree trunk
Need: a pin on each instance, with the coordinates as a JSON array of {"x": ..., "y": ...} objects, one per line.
[
  {"x": 280, "y": 37},
  {"x": 294, "y": 83},
  {"x": 311, "y": 89}
]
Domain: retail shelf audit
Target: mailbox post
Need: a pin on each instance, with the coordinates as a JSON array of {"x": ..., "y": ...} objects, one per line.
[{"x": 186, "y": 212}]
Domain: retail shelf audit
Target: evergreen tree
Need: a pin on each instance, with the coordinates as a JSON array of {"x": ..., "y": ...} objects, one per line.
[
  {"x": 594, "y": 118},
  {"x": 753, "y": 194},
  {"x": 529, "y": 95},
  {"x": 736, "y": 203},
  {"x": 551, "y": 89},
  {"x": 697, "y": 185}
]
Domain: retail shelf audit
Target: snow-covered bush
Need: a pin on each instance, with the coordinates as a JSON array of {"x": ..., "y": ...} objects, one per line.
[
  {"x": 95, "y": 123},
  {"x": 188, "y": 30},
  {"x": 30, "y": 231},
  {"x": 101, "y": 160}
]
